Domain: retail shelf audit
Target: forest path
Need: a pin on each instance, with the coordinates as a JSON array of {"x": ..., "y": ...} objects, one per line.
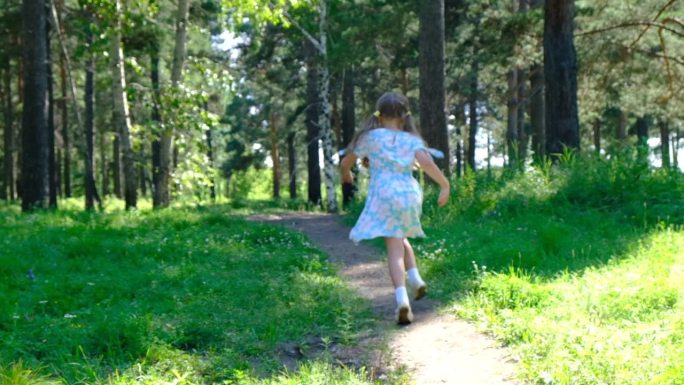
[{"x": 436, "y": 348}]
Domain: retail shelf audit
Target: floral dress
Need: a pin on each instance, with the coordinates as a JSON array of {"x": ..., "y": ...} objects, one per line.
[{"x": 394, "y": 200}]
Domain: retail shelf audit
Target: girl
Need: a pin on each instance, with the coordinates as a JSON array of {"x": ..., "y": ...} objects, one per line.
[{"x": 392, "y": 144}]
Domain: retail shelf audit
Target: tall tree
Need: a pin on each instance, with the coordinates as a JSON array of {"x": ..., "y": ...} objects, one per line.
[
  {"x": 34, "y": 172},
  {"x": 432, "y": 93},
  {"x": 52, "y": 161},
  {"x": 8, "y": 160},
  {"x": 348, "y": 124},
  {"x": 91, "y": 194},
  {"x": 162, "y": 193},
  {"x": 121, "y": 111},
  {"x": 512, "y": 131},
  {"x": 312, "y": 127},
  {"x": 560, "y": 76}
]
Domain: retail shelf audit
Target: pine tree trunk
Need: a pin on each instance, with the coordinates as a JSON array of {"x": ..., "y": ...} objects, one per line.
[
  {"x": 324, "y": 122},
  {"x": 348, "y": 126},
  {"x": 523, "y": 137},
  {"x": 90, "y": 188},
  {"x": 156, "y": 117},
  {"x": 162, "y": 190},
  {"x": 312, "y": 129},
  {"x": 34, "y": 173},
  {"x": 560, "y": 75},
  {"x": 116, "y": 167},
  {"x": 104, "y": 172},
  {"x": 621, "y": 133},
  {"x": 597, "y": 136},
  {"x": 66, "y": 139},
  {"x": 664, "y": 143},
  {"x": 121, "y": 113},
  {"x": 537, "y": 118},
  {"x": 292, "y": 164},
  {"x": 675, "y": 150},
  {"x": 432, "y": 94},
  {"x": 642, "y": 124},
  {"x": 52, "y": 161},
  {"x": 472, "y": 115},
  {"x": 275, "y": 155},
  {"x": 8, "y": 161},
  {"x": 512, "y": 121}
]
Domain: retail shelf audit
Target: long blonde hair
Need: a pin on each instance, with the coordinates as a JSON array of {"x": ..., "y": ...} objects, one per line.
[{"x": 390, "y": 105}]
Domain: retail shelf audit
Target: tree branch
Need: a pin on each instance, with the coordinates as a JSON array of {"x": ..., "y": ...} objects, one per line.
[
  {"x": 313, "y": 40},
  {"x": 631, "y": 24}
]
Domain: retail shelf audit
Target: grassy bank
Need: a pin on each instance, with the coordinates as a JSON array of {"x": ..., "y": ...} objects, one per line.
[
  {"x": 580, "y": 269},
  {"x": 184, "y": 296}
]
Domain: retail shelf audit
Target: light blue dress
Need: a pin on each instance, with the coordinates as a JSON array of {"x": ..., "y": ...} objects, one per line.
[{"x": 394, "y": 200}]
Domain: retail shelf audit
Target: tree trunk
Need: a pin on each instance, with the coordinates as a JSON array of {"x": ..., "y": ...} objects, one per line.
[
  {"x": 53, "y": 185},
  {"x": 8, "y": 177},
  {"x": 472, "y": 115},
  {"x": 162, "y": 190},
  {"x": 348, "y": 126},
  {"x": 560, "y": 75},
  {"x": 664, "y": 143},
  {"x": 642, "y": 124},
  {"x": 116, "y": 167},
  {"x": 512, "y": 121},
  {"x": 537, "y": 118},
  {"x": 621, "y": 133},
  {"x": 275, "y": 155},
  {"x": 121, "y": 113},
  {"x": 34, "y": 173},
  {"x": 432, "y": 94},
  {"x": 523, "y": 137},
  {"x": 675, "y": 150},
  {"x": 66, "y": 139},
  {"x": 156, "y": 117},
  {"x": 104, "y": 172},
  {"x": 324, "y": 122},
  {"x": 291, "y": 164},
  {"x": 597, "y": 136},
  {"x": 90, "y": 189},
  {"x": 312, "y": 129}
]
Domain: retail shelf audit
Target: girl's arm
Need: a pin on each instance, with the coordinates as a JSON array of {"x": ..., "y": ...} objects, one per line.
[
  {"x": 345, "y": 165},
  {"x": 428, "y": 165}
]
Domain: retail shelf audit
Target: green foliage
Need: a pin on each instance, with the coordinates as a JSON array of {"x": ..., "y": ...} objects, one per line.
[{"x": 183, "y": 295}]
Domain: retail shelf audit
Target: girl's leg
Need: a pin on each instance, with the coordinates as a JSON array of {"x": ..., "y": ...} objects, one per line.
[
  {"x": 415, "y": 282},
  {"x": 395, "y": 261}
]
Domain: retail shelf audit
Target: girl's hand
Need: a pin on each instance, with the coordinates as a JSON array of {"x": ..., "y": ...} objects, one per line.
[{"x": 443, "y": 196}]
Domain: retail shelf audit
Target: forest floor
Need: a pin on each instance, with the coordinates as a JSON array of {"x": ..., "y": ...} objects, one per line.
[{"x": 437, "y": 348}]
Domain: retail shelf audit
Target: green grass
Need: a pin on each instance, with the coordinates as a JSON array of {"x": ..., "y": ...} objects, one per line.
[
  {"x": 578, "y": 268},
  {"x": 184, "y": 295}
]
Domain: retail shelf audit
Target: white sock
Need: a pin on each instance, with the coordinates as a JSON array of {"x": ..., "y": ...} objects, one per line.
[
  {"x": 401, "y": 295},
  {"x": 414, "y": 276}
]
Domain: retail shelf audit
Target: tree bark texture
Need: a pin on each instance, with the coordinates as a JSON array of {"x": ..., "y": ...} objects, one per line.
[
  {"x": 523, "y": 137},
  {"x": 312, "y": 129},
  {"x": 329, "y": 168},
  {"x": 472, "y": 115},
  {"x": 156, "y": 117},
  {"x": 348, "y": 125},
  {"x": 664, "y": 143},
  {"x": 560, "y": 76},
  {"x": 597, "y": 136},
  {"x": 53, "y": 185},
  {"x": 512, "y": 121},
  {"x": 275, "y": 155},
  {"x": 642, "y": 124},
  {"x": 537, "y": 116},
  {"x": 90, "y": 189},
  {"x": 162, "y": 190},
  {"x": 34, "y": 164},
  {"x": 432, "y": 93},
  {"x": 291, "y": 164},
  {"x": 116, "y": 167},
  {"x": 121, "y": 113},
  {"x": 8, "y": 160},
  {"x": 621, "y": 133}
]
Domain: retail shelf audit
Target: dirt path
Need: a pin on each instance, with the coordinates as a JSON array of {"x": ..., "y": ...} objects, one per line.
[{"x": 436, "y": 348}]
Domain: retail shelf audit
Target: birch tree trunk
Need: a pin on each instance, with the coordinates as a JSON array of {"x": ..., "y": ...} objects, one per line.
[
  {"x": 121, "y": 113},
  {"x": 324, "y": 122},
  {"x": 162, "y": 192}
]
